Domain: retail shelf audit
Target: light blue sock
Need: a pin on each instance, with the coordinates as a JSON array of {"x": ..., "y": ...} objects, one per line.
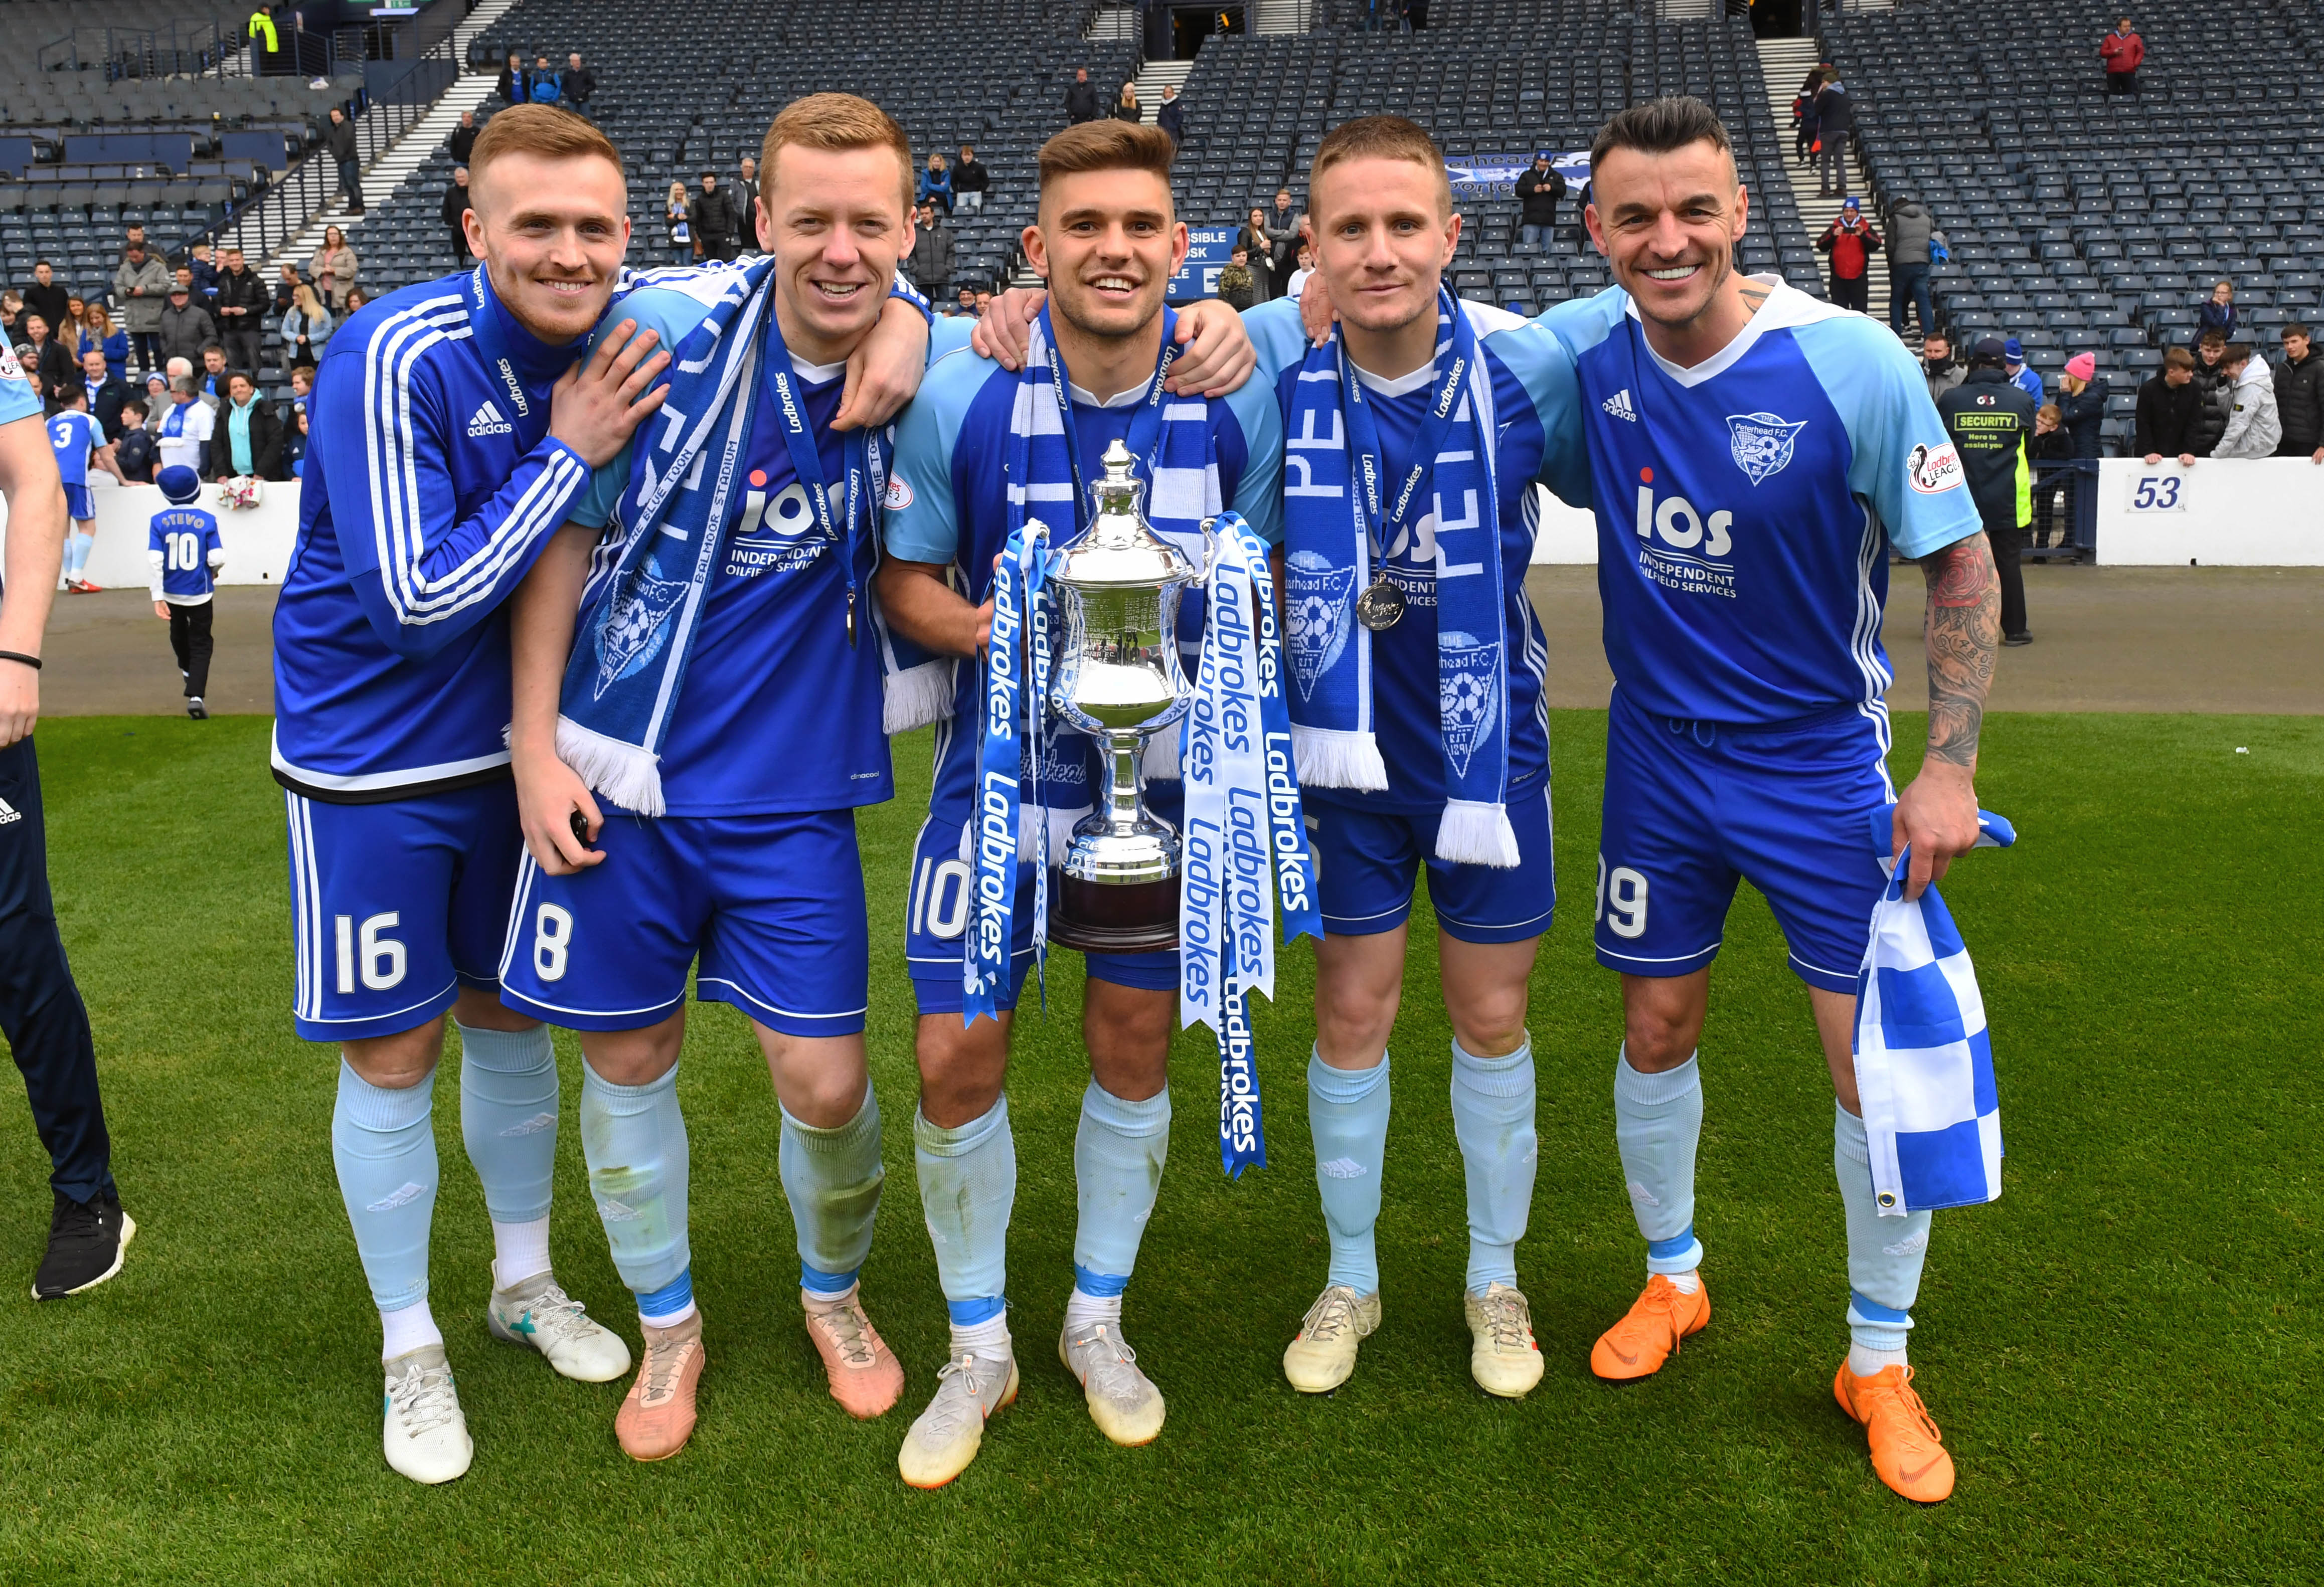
[
  {"x": 968, "y": 1187},
  {"x": 507, "y": 1117},
  {"x": 77, "y": 548},
  {"x": 385, "y": 1152},
  {"x": 634, "y": 1139},
  {"x": 1347, "y": 1114},
  {"x": 1117, "y": 1156},
  {"x": 1885, "y": 1255},
  {"x": 832, "y": 1179},
  {"x": 1657, "y": 1125},
  {"x": 1492, "y": 1119}
]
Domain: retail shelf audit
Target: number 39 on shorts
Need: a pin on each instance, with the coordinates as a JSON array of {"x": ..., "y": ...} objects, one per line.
[{"x": 1621, "y": 899}]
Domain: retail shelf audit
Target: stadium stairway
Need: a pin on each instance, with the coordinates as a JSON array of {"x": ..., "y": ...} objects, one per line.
[
  {"x": 1282, "y": 16},
  {"x": 1785, "y": 64},
  {"x": 1113, "y": 23},
  {"x": 1153, "y": 77}
]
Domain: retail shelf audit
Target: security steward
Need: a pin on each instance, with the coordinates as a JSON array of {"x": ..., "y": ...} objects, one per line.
[{"x": 1992, "y": 424}]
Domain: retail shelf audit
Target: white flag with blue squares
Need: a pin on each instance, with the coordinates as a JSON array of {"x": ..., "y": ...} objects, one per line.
[{"x": 1923, "y": 1061}]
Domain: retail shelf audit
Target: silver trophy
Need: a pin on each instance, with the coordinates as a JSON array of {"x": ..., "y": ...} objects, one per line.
[{"x": 1117, "y": 677}]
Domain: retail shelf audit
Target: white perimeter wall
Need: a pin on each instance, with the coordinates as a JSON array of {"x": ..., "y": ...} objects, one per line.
[{"x": 258, "y": 539}]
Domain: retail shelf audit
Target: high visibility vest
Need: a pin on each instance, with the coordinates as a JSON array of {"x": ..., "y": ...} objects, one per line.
[{"x": 261, "y": 23}]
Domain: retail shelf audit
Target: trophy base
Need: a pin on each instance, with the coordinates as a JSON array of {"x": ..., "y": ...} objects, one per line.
[{"x": 1109, "y": 917}]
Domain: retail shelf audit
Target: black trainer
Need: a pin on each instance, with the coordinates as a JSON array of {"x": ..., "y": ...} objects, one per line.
[{"x": 85, "y": 1242}]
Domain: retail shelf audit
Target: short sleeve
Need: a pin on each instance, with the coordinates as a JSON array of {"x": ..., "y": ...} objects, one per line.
[
  {"x": 594, "y": 508},
  {"x": 922, "y": 522},
  {"x": 1544, "y": 366},
  {"x": 1902, "y": 456},
  {"x": 1258, "y": 493},
  {"x": 16, "y": 398}
]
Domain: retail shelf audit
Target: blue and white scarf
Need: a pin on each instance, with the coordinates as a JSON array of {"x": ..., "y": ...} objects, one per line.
[
  {"x": 1340, "y": 513},
  {"x": 1243, "y": 821},
  {"x": 1923, "y": 1060}
]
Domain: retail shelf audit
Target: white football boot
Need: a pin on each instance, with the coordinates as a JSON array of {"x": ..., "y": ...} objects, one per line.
[
  {"x": 947, "y": 1436},
  {"x": 537, "y": 1314},
  {"x": 1324, "y": 1355},
  {"x": 1504, "y": 1358},
  {"x": 426, "y": 1436},
  {"x": 1122, "y": 1400}
]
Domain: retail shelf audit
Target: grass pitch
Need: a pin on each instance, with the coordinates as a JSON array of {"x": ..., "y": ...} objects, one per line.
[{"x": 2124, "y": 1352}]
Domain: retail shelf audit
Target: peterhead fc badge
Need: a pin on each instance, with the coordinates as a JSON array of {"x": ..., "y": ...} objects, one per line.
[{"x": 1762, "y": 443}]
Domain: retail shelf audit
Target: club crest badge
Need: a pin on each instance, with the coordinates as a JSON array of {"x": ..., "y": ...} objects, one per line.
[
  {"x": 1762, "y": 443},
  {"x": 636, "y": 622},
  {"x": 1469, "y": 702},
  {"x": 1315, "y": 616}
]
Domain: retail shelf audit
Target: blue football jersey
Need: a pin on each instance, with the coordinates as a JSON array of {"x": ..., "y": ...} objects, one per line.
[
  {"x": 184, "y": 539},
  {"x": 75, "y": 435},
  {"x": 949, "y": 503},
  {"x": 431, "y": 485},
  {"x": 1537, "y": 403},
  {"x": 1746, "y": 507}
]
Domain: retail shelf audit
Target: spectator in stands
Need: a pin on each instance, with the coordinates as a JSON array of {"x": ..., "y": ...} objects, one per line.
[
  {"x": 339, "y": 141},
  {"x": 356, "y": 299},
  {"x": 2168, "y": 421},
  {"x": 2211, "y": 381},
  {"x": 969, "y": 180},
  {"x": 2254, "y": 427},
  {"x": 1835, "y": 119},
  {"x": 717, "y": 225},
  {"x": 1850, "y": 241},
  {"x": 1285, "y": 226},
  {"x": 2025, "y": 379},
  {"x": 302, "y": 383},
  {"x": 11, "y": 317},
  {"x": 931, "y": 257},
  {"x": 1804, "y": 114},
  {"x": 306, "y": 327},
  {"x": 463, "y": 137},
  {"x": 983, "y": 301},
  {"x": 98, "y": 333},
  {"x": 455, "y": 212},
  {"x": 1910, "y": 227},
  {"x": 544, "y": 87},
  {"x": 936, "y": 184},
  {"x": 51, "y": 359},
  {"x": 2120, "y": 52},
  {"x": 107, "y": 393},
  {"x": 2081, "y": 403},
  {"x": 46, "y": 297},
  {"x": 286, "y": 283},
  {"x": 134, "y": 451},
  {"x": 337, "y": 261},
  {"x": 1256, "y": 240},
  {"x": 513, "y": 86},
  {"x": 1937, "y": 364},
  {"x": 1127, "y": 108},
  {"x": 679, "y": 213},
  {"x": 1170, "y": 115},
  {"x": 240, "y": 305},
  {"x": 1305, "y": 268},
  {"x": 214, "y": 374},
  {"x": 184, "y": 439},
  {"x": 157, "y": 400},
  {"x": 294, "y": 442},
  {"x": 577, "y": 83},
  {"x": 746, "y": 200},
  {"x": 1237, "y": 288},
  {"x": 1082, "y": 101},
  {"x": 203, "y": 272},
  {"x": 2300, "y": 397},
  {"x": 2052, "y": 444},
  {"x": 1540, "y": 189},
  {"x": 964, "y": 305},
  {"x": 2218, "y": 312},
  {"x": 253, "y": 444}
]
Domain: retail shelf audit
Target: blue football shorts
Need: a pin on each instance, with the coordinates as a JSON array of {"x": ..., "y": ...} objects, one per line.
[
  {"x": 772, "y": 905},
  {"x": 395, "y": 905},
  {"x": 1692, "y": 807},
  {"x": 78, "y": 505},
  {"x": 1368, "y": 861}
]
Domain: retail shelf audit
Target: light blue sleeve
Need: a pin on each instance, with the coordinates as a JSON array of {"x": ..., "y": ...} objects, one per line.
[
  {"x": 1277, "y": 337},
  {"x": 1901, "y": 456},
  {"x": 1259, "y": 494},
  {"x": 1544, "y": 366},
  {"x": 16, "y": 398},
  {"x": 923, "y": 519},
  {"x": 948, "y": 333},
  {"x": 671, "y": 315}
]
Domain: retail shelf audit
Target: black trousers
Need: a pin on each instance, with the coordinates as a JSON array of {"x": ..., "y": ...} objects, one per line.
[
  {"x": 189, "y": 637},
  {"x": 351, "y": 183},
  {"x": 2007, "y": 542},
  {"x": 460, "y": 260},
  {"x": 41, "y": 1010},
  {"x": 2122, "y": 82},
  {"x": 1852, "y": 294},
  {"x": 240, "y": 349}
]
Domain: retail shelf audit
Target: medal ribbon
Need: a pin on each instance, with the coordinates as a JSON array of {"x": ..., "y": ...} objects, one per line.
[
  {"x": 1012, "y": 706},
  {"x": 783, "y": 400},
  {"x": 1384, "y": 528}
]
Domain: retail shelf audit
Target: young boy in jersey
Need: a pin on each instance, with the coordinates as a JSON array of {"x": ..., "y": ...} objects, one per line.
[
  {"x": 183, "y": 549},
  {"x": 1756, "y": 452},
  {"x": 744, "y": 631},
  {"x": 454, "y": 424},
  {"x": 966, "y": 477},
  {"x": 80, "y": 445},
  {"x": 1414, "y": 437}
]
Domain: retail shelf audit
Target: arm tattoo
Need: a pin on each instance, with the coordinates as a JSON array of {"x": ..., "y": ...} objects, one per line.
[{"x": 1963, "y": 623}]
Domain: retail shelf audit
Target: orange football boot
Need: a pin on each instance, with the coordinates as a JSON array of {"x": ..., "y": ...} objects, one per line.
[
  {"x": 1908, "y": 1452},
  {"x": 1650, "y": 1333}
]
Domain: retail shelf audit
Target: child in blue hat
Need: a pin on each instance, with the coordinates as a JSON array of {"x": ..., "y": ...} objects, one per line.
[{"x": 183, "y": 549}]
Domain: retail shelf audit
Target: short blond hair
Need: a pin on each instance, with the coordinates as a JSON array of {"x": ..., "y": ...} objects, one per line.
[
  {"x": 1381, "y": 137},
  {"x": 542, "y": 130},
  {"x": 836, "y": 123}
]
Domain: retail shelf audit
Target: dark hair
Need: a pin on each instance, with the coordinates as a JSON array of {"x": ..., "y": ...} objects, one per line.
[
  {"x": 1987, "y": 361},
  {"x": 1107, "y": 145},
  {"x": 2215, "y": 338},
  {"x": 2294, "y": 329},
  {"x": 1662, "y": 126},
  {"x": 136, "y": 402},
  {"x": 2236, "y": 353},
  {"x": 2178, "y": 358},
  {"x": 37, "y": 263}
]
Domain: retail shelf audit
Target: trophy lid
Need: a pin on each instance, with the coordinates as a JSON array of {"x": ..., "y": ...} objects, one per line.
[{"x": 1120, "y": 548}]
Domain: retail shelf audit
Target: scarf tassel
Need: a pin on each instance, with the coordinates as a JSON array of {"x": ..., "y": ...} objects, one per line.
[
  {"x": 1474, "y": 833},
  {"x": 627, "y": 774},
  {"x": 1331, "y": 757},
  {"x": 915, "y": 696}
]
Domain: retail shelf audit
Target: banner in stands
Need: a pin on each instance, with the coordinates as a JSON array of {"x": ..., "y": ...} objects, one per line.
[
  {"x": 1207, "y": 250},
  {"x": 1495, "y": 176}
]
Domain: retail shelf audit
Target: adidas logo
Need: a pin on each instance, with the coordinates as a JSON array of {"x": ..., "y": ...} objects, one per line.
[
  {"x": 486, "y": 420},
  {"x": 9, "y": 812},
  {"x": 1618, "y": 405}
]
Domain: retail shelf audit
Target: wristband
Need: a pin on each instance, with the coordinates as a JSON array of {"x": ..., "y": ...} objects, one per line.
[{"x": 32, "y": 661}]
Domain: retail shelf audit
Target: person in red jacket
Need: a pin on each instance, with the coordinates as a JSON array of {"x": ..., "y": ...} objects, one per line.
[
  {"x": 2120, "y": 52},
  {"x": 1851, "y": 243}
]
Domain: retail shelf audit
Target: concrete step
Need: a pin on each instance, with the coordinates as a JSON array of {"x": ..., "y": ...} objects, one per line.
[
  {"x": 1112, "y": 22},
  {"x": 393, "y": 168},
  {"x": 1153, "y": 77},
  {"x": 1284, "y": 16}
]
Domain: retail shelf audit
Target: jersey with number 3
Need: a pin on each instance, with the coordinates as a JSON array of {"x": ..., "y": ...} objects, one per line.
[
  {"x": 1746, "y": 506},
  {"x": 74, "y": 434}
]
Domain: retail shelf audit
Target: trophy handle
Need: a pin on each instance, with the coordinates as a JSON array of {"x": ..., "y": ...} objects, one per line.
[{"x": 1210, "y": 551}]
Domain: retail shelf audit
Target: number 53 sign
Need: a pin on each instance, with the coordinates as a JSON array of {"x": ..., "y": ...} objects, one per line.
[{"x": 2158, "y": 492}]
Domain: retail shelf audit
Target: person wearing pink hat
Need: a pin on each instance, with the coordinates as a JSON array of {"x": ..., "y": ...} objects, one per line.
[{"x": 2081, "y": 402}]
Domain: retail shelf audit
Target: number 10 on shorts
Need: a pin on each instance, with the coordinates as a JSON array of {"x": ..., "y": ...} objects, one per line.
[{"x": 1621, "y": 899}]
